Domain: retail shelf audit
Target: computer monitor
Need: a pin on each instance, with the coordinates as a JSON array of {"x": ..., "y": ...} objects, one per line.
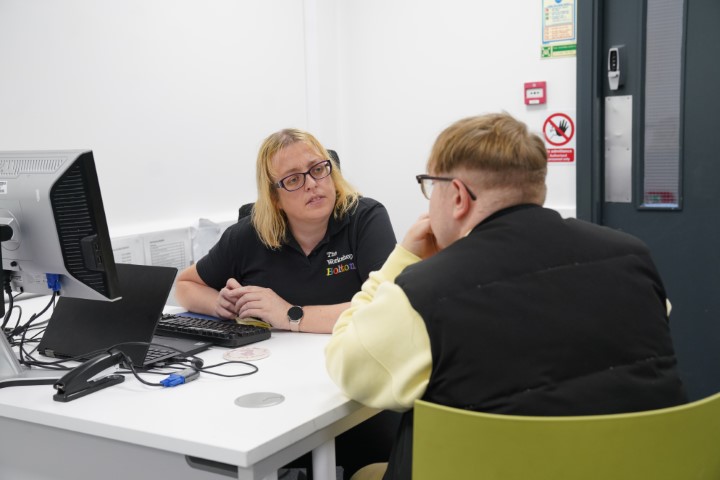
[{"x": 54, "y": 237}]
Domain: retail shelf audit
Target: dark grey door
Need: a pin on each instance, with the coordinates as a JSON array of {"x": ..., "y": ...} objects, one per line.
[{"x": 651, "y": 152}]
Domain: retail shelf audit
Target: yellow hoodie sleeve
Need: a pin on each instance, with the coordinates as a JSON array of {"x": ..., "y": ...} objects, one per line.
[{"x": 379, "y": 352}]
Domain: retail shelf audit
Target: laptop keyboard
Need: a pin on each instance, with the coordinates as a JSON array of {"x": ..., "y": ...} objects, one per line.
[
  {"x": 155, "y": 352},
  {"x": 223, "y": 333}
]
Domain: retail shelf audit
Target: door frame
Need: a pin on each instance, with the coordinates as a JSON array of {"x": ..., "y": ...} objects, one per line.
[{"x": 590, "y": 119}]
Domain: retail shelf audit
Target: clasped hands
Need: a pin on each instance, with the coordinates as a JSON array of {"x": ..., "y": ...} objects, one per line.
[{"x": 237, "y": 301}]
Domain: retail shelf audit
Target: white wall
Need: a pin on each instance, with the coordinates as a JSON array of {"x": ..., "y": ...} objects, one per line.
[
  {"x": 175, "y": 96},
  {"x": 410, "y": 68}
]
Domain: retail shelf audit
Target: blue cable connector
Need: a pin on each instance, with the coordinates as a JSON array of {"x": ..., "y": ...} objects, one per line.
[
  {"x": 174, "y": 379},
  {"x": 53, "y": 281}
]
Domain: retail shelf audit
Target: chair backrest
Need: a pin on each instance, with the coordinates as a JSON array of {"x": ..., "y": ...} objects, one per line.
[
  {"x": 246, "y": 209},
  {"x": 677, "y": 443}
]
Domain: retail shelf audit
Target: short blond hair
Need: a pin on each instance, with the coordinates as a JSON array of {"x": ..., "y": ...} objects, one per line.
[
  {"x": 267, "y": 218},
  {"x": 498, "y": 146}
]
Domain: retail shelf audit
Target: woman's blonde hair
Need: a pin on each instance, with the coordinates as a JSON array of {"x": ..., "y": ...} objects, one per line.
[
  {"x": 498, "y": 146},
  {"x": 269, "y": 221}
]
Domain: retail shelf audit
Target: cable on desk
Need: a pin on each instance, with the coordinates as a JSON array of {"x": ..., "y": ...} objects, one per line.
[
  {"x": 11, "y": 305},
  {"x": 230, "y": 362},
  {"x": 7, "y": 289},
  {"x": 23, "y": 329},
  {"x": 192, "y": 363},
  {"x": 175, "y": 379}
]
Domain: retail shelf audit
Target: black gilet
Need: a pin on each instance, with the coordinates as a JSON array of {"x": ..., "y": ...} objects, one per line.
[{"x": 533, "y": 314}]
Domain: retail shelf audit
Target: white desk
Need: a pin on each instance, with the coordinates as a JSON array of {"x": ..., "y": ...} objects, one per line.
[{"x": 132, "y": 431}]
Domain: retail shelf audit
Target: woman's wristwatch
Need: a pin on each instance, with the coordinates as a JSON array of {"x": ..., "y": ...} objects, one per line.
[{"x": 295, "y": 314}]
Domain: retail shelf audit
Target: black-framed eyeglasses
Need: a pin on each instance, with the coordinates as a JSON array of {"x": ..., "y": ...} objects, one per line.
[
  {"x": 426, "y": 184},
  {"x": 296, "y": 181}
]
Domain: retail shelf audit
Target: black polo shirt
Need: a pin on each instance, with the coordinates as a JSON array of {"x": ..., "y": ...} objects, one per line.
[{"x": 353, "y": 246}]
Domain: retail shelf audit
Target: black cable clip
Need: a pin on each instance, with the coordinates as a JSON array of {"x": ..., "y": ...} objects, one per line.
[{"x": 80, "y": 381}]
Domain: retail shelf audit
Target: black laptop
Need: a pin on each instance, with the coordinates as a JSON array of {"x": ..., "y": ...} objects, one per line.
[{"x": 80, "y": 328}]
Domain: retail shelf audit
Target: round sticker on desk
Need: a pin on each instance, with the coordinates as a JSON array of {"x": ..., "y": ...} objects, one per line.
[{"x": 246, "y": 354}]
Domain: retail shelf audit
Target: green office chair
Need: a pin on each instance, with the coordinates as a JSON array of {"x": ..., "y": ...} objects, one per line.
[{"x": 677, "y": 443}]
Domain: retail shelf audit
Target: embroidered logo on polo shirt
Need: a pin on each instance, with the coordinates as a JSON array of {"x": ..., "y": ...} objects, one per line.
[{"x": 338, "y": 265}]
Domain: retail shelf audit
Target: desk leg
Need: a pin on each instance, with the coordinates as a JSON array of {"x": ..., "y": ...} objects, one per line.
[{"x": 323, "y": 461}]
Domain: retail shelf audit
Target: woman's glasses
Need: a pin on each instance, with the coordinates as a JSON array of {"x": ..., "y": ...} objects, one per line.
[{"x": 297, "y": 180}]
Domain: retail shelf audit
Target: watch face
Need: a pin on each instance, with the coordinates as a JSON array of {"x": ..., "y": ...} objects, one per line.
[{"x": 295, "y": 313}]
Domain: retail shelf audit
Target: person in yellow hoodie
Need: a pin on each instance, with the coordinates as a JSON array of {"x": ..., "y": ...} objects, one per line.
[{"x": 494, "y": 303}]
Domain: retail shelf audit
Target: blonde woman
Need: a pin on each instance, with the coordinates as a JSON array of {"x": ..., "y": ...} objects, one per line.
[{"x": 308, "y": 246}]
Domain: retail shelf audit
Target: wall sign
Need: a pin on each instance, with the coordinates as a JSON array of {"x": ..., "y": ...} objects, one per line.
[
  {"x": 558, "y": 29},
  {"x": 559, "y": 133}
]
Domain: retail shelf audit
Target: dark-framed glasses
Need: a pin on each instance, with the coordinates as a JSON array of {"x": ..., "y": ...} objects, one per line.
[
  {"x": 296, "y": 181},
  {"x": 428, "y": 181}
]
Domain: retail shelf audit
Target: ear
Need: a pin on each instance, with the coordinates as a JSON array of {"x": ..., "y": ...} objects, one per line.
[
  {"x": 462, "y": 202},
  {"x": 275, "y": 200}
]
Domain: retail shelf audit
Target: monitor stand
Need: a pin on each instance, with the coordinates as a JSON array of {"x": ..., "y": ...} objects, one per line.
[{"x": 12, "y": 374}]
